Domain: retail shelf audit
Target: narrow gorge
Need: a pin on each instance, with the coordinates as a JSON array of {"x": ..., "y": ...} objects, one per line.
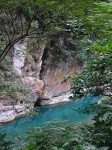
[{"x": 40, "y": 70}]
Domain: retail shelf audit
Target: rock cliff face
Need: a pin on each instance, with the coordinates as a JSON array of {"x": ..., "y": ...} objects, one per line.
[
  {"x": 28, "y": 66},
  {"x": 41, "y": 75},
  {"x": 47, "y": 80},
  {"x": 53, "y": 79},
  {"x": 19, "y": 57}
]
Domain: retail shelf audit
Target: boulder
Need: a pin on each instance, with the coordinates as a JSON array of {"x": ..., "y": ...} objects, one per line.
[
  {"x": 6, "y": 116},
  {"x": 20, "y": 108}
]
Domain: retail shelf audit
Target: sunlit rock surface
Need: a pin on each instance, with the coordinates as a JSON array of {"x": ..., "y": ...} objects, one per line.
[
  {"x": 65, "y": 97},
  {"x": 53, "y": 79},
  {"x": 49, "y": 81},
  {"x": 33, "y": 84},
  {"x": 10, "y": 112},
  {"x": 19, "y": 57}
]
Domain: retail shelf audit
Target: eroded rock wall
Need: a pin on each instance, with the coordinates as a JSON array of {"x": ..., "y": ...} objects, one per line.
[
  {"x": 19, "y": 57},
  {"x": 41, "y": 74},
  {"x": 53, "y": 78},
  {"x": 47, "y": 80},
  {"x": 27, "y": 66}
]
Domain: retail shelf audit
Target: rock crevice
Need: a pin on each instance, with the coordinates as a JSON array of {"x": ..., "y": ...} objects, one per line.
[{"x": 39, "y": 77}]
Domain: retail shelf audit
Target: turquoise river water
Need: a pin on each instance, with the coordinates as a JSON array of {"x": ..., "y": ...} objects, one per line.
[{"x": 56, "y": 112}]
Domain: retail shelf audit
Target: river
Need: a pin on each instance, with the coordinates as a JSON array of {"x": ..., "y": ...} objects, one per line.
[{"x": 62, "y": 111}]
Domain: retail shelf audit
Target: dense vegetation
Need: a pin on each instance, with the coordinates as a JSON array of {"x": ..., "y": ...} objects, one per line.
[{"x": 89, "y": 21}]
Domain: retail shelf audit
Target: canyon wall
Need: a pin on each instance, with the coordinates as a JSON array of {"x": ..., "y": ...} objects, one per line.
[
  {"x": 53, "y": 78},
  {"x": 41, "y": 71},
  {"x": 40, "y": 74}
]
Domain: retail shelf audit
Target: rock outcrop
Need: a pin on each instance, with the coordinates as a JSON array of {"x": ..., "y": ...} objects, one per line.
[
  {"x": 19, "y": 57},
  {"x": 28, "y": 66},
  {"x": 40, "y": 78},
  {"x": 47, "y": 80},
  {"x": 9, "y": 112},
  {"x": 57, "y": 99}
]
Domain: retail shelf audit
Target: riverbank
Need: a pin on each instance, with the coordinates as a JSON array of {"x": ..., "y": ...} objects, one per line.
[
  {"x": 64, "y": 97},
  {"x": 9, "y": 112},
  {"x": 63, "y": 111}
]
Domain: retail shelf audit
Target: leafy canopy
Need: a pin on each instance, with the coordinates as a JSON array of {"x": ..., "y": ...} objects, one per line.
[{"x": 40, "y": 18}]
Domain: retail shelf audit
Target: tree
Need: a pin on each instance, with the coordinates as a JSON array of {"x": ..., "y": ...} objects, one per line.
[
  {"x": 96, "y": 75},
  {"x": 25, "y": 18},
  {"x": 96, "y": 79},
  {"x": 22, "y": 19}
]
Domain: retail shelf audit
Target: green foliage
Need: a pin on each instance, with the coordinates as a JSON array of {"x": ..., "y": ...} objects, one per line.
[
  {"x": 57, "y": 136},
  {"x": 13, "y": 91},
  {"x": 65, "y": 47},
  {"x": 100, "y": 131},
  {"x": 102, "y": 128},
  {"x": 5, "y": 143},
  {"x": 96, "y": 77},
  {"x": 41, "y": 18},
  {"x": 10, "y": 87},
  {"x": 6, "y": 64},
  {"x": 21, "y": 19},
  {"x": 61, "y": 135},
  {"x": 91, "y": 22}
]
